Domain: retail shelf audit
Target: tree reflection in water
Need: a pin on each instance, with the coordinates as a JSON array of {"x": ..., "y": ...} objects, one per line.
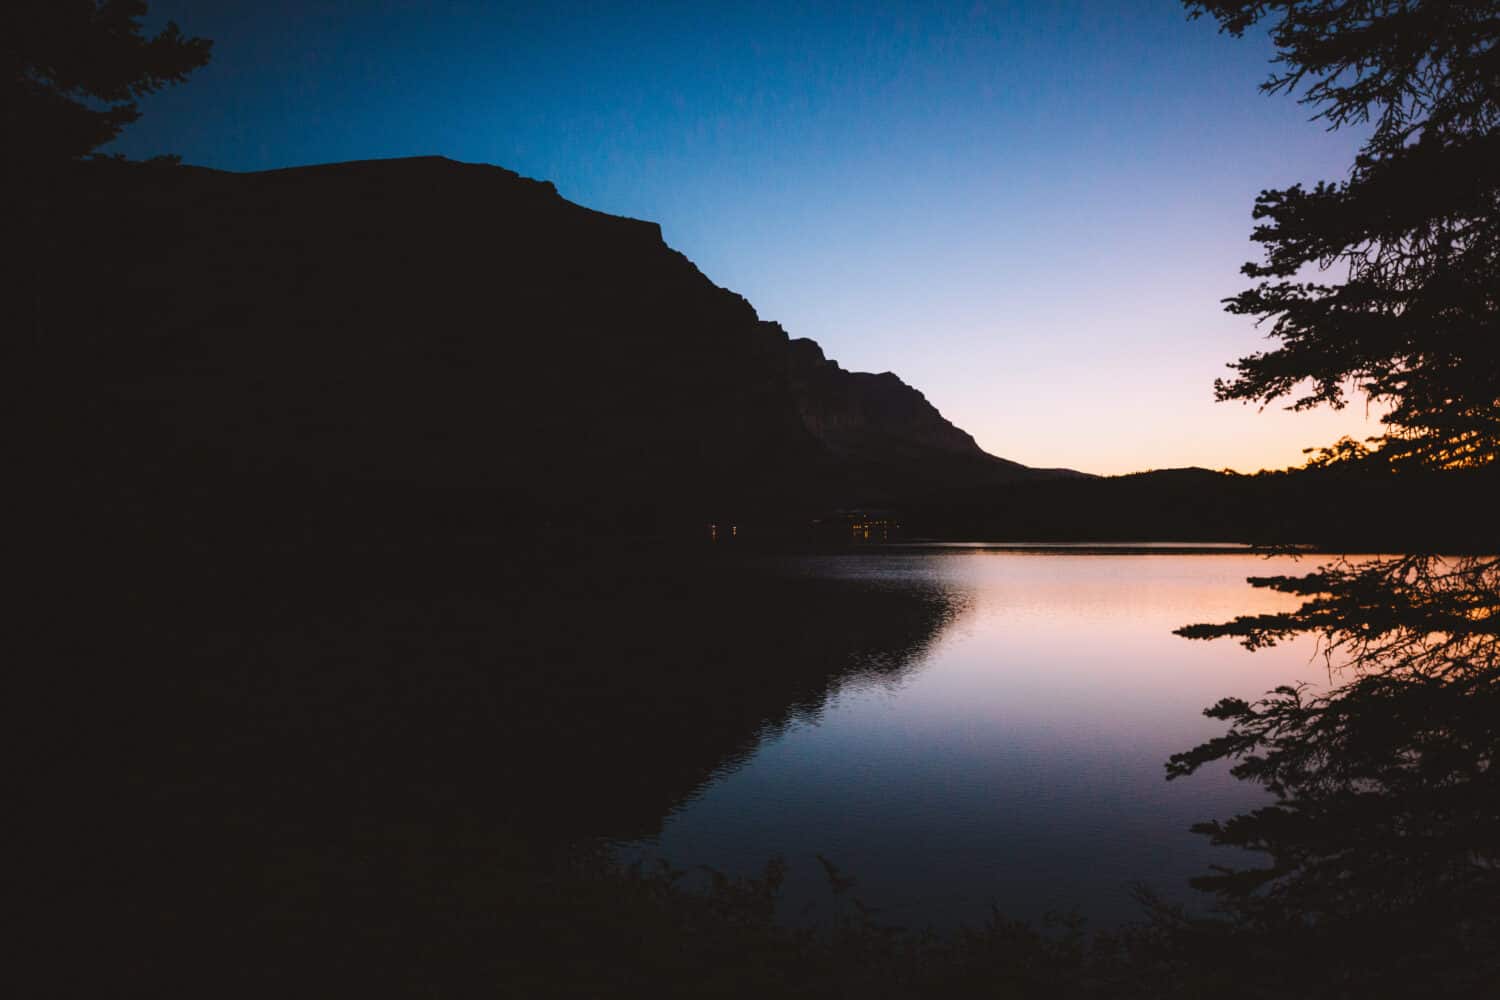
[{"x": 1383, "y": 848}]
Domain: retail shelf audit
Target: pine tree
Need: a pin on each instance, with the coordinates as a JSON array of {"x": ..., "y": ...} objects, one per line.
[{"x": 75, "y": 69}]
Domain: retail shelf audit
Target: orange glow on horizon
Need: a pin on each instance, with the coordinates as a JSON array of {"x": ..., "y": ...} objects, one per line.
[{"x": 1218, "y": 436}]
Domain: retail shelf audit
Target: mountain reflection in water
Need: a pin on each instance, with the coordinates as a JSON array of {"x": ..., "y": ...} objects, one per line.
[{"x": 363, "y": 755}]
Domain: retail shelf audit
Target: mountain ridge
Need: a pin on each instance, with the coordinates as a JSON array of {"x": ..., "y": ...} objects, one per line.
[{"x": 377, "y": 328}]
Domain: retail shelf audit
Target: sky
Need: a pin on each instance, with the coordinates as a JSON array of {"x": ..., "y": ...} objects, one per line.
[{"x": 1030, "y": 211}]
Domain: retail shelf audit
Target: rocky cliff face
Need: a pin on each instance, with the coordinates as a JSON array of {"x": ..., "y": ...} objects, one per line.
[
  {"x": 420, "y": 327},
  {"x": 863, "y": 417}
]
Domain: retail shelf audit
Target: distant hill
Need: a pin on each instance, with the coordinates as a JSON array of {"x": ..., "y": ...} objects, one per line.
[
  {"x": 1348, "y": 508},
  {"x": 415, "y": 344}
]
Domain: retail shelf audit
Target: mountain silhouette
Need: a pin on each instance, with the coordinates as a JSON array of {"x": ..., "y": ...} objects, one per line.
[{"x": 381, "y": 345}]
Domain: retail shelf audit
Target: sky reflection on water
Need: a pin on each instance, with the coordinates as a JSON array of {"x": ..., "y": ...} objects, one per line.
[{"x": 1019, "y": 760}]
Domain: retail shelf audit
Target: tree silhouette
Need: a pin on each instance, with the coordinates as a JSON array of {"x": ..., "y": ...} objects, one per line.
[
  {"x": 1414, "y": 228},
  {"x": 73, "y": 71},
  {"x": 1383, "y": 844},
  {"x": 76, "y": 68}
]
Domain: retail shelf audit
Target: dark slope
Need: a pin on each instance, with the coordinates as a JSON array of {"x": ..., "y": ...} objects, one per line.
[
  {"x": 872, "y": 418},
  {"x": 1350, "y": 509},
  {"x": 421, "y": 341}
]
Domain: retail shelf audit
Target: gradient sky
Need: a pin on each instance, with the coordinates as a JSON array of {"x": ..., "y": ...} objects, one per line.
[{"x": 1027, "y": 210}]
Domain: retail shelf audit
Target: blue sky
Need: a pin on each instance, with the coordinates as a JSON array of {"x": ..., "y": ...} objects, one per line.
[{"x": 1028, "y": 210}]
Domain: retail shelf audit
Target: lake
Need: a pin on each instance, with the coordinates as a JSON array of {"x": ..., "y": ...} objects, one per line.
[
  {"x": 357, "y": 752},
  {"x": 1013, "y": 755},
  {"x": 373, "y": 752}
]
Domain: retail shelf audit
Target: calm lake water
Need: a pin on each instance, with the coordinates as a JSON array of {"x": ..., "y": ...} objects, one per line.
[{"x": 1016, "y": 757}]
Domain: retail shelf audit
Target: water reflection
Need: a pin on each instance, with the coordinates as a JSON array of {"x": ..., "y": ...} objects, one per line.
[
  {"x": 1018, "y": 760},
  {"x": 323, "y": 763},
  {"x": 366, "y": 757}
]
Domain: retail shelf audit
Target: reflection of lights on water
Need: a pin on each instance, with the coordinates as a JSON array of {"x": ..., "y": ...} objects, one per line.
[
  {"x": 713, "y": 532},
  {"x": 875, "y": 530}
]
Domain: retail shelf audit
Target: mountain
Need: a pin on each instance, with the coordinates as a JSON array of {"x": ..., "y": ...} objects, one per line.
[
  {"x": 417, "y": 344},
  {"x": 863, "y": 417}
]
